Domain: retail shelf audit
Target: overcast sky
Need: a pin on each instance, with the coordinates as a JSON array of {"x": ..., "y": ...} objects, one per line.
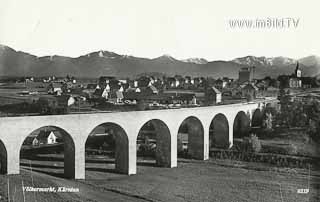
[{"x": 148, "y": 28}]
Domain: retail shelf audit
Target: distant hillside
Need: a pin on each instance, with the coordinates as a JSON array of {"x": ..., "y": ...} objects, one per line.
[
  {"x": 280, "y": 65},
  {"x": 16, "y": 63}
]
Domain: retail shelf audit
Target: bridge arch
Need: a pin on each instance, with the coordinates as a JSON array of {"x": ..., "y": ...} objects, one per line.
[
  {"x": 111, "y": 137},
  {"x": 3, "y": 159},
  {"x": 64, "y": 142},
  {"x": 191, "y": 132},
  {"x": 219, "y": 132},
  {"x": 156, "y": 137},
  {"x": 257, "y": 118},
  {"x": 241, "y": 125}
]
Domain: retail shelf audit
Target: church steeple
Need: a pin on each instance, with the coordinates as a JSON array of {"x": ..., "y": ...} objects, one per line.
[{"x": 297, "y": 71}]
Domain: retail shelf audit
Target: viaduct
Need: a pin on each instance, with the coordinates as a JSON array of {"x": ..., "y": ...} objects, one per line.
[{"x": 222, "y": 121}]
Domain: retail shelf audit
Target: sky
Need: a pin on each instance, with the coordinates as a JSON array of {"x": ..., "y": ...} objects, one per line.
[{"x": 150, "y": 28}]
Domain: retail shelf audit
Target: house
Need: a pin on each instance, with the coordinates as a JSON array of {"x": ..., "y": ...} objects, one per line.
[
  {"x": 144, "y": 81},
  {"x": 249, "y": 90},
  {"x": 111, "y": 87},
  {"x": 92, "y": 86},
  {"x": 116, "y": 97},
  {"x": 213, "y": 96},
  {"x": 76, "y": 91},
  {"x": 192, "y": 81},
  {"x": 202, "y": 81},
  {"x": 67, "y": 86},
  {"x": 152, "y": 80},
  {"x": 55, "y": 88},
  {"x": 90, "y": 89},
  {"x": 196, "y": 81},
  {"x": 135, "y": 84},
  {"x": 295, "y": 82},
  {"x": 136, "y": 90},
  {"x": 71, "y": 101},
  {"x": 151, "y": 90},
  {"x": 105, "y": 92},
  {"x": 140, "y": 93},
  {"x": 172, "y": 82},
  {"x": 57, "y": 103},
  {"x": 106, "y": 79},
  {"x": 220, "y": 84},
  {"x": 193, "y": 101},
  {"x": 45, "y": 137},
  {"x": 35, "y": 142},
  {"x": 271, "y": 92},
  {"x": 262, "y": 84},
  {"x": 308, "y": 82},
  {"x": 123, "y": 81},
  {"x": 119, "y": 95},
  {"x": 187, "y": 80},
  {"x": 182, "y": 142},
  {"x": 182, "y": 96},
  {"x": 180, "y": 81}
]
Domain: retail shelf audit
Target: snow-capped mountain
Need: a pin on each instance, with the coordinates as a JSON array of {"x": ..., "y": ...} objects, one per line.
[
  {"x": 200, "y": 61},
  {"x": 264, "y": 61},
  {"x": 165, "y": 58},
  {"x": 95, "y": 64},
  {"x": 279, "y": 61},
  {"x": 107, "y": 54}
]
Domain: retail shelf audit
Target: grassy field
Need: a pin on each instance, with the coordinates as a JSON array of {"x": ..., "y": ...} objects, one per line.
[
  {"x": 293, "y": 141},
  {"x": 192, "y": 180},
  {"x": 10, "y": 93}
]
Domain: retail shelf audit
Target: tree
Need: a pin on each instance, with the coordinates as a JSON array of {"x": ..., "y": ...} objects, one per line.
[
  {"x": 142, "y": 105},
  {"x": 249, "y": 97},
  {"x": 298, "y": 116},
  {"x": 284, "y": 81},
  {"x": 285, "y": 103},
  {"x": 268, "y": 121},
  {"x": 313, "y": 115}
]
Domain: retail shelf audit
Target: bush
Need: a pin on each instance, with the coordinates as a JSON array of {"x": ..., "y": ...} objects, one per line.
[
  {"x": 292, "y": 149},
  {"x": 247, "y": 144},
  {"x": 147, "y": 150},
  {"x": 255, "y": 143},
  {"x": 250, "y": 144}
]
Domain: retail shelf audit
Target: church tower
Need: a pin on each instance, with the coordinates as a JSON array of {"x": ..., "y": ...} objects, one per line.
[{"x": 298, "y": 71}]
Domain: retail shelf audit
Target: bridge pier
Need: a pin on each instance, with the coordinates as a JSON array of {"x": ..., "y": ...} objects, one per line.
[
  {"x": 79, "y": 168},
  {"x": 230, "y": 134},
  {"x": 174, "y": 154},
  {"x": 3, "y": 158},
  {"x": 131, "y": 168},
  {"x": 206, "y": 145},
  {"x": 13, "y": 156}
]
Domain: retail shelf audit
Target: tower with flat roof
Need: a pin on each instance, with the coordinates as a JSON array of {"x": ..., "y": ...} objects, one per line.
[{"x": 245, "y": 75}]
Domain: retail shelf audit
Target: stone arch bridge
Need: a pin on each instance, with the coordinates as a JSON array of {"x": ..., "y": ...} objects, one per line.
[{"x": 200, "y": 121}]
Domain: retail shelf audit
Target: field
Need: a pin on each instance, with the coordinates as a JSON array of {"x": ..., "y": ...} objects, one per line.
[
  {"x": 11, "y": 93},
  {"x": 192, "y": 180}
]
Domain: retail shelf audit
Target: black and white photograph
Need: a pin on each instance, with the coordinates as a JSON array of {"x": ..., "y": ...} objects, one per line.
[{"x": 159, "y": 101}]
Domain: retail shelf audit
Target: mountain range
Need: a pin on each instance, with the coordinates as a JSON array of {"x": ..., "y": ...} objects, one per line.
[{"x": 95, "y": 64}]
